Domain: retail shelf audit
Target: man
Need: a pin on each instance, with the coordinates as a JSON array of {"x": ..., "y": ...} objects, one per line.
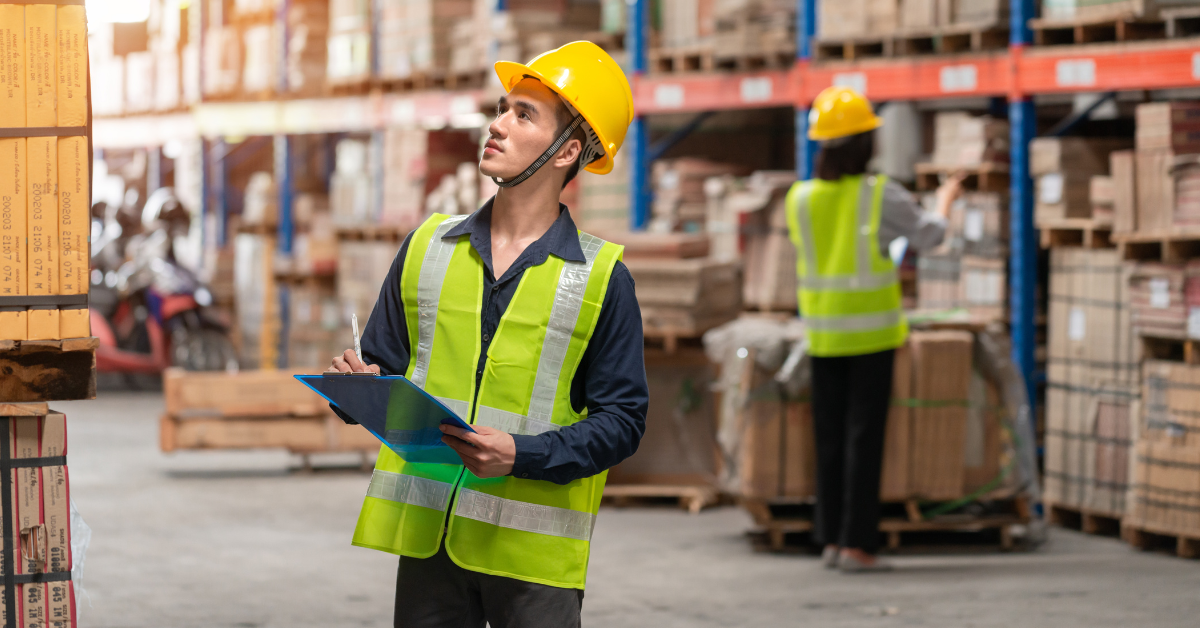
[
  {"x": 842, "y": 223},
  {"x": 530, "y": 330}
]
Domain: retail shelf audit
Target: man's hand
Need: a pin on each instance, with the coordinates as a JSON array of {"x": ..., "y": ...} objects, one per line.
[
  {"x": 348, "y": 362},
  {"x": 488, "y": 452}
]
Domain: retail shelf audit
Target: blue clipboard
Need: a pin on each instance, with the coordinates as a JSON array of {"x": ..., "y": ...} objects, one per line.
[{"x": 396, "y": 411}]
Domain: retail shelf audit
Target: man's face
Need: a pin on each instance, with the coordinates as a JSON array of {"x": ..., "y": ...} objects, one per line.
[{"x": 526, "y": 124}]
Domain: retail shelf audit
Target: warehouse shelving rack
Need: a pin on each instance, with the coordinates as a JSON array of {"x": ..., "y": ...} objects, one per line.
[{"x": 1016, "y": 74}]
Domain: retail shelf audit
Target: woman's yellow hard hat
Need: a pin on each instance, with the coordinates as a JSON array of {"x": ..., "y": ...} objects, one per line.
[
  {"x": 589, "y": 80},
  {"x": 840, "y": 112}
]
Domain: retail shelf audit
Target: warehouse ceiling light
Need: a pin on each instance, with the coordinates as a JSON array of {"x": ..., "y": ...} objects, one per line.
[{"x": 118, "y": 10}]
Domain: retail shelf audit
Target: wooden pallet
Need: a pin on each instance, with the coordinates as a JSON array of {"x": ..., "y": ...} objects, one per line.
[
  {"x": 1158, "y": 345},
  {"x": 986, "y": 177},
  {"x": 1177, "y": 244},
  {"x": 349, "y": 87},
  {"x": 1086, "y": 232},
  {"x": 48, "y": 370},
  {"x": 433, "y": 80},
  {"x": 1085, "y": 520},
  {"x": 852, "y": 49},
  {"x": 776, "y": 520},
  {"x": 952, "y": 39},
  {"x": 1086, "y": 30},
  {"x": 1143, "y": 537},
  {"x": 1181, "y": 22},
  {"x": 692, "y": 498},
  {"x": 771, "y": 59},
  {"x": 387, "y": 233},
  {"x": 679, "y": 60}
]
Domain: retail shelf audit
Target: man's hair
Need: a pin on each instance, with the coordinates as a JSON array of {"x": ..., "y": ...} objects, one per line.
[
  {"x": 564, "y": 120},
  {"x": 845, "y": 156}
]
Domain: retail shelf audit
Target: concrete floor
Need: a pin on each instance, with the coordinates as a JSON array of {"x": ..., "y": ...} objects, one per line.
[{"x": 236, "y": 540}]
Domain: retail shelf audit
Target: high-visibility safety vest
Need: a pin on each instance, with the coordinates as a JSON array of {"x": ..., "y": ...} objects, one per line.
[
  {"x": 849, "y": 292},
  {"x": 530, "y": 530}
]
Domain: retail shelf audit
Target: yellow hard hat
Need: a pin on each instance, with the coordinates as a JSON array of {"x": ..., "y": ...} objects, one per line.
[
  {"x": 840, "y": 112},
  {"x": 589, "y": 80}
]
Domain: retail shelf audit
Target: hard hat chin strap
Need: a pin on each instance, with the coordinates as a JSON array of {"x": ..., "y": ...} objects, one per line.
[{"x": 541, "y": 161}]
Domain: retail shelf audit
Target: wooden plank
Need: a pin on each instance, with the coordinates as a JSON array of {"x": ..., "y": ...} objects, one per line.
[
  {"x": 48, "y": 370},
  {"x": 246, "y": 393},
  {"x": 296, "y": 434},
  {"x": 24, "y": 409}
]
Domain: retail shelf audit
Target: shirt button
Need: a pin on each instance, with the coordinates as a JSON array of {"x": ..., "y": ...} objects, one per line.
[
  {"x": 486, "y": 336},
  {"x": 495, "y": 287},
  {"x": 524, "y": 475}
]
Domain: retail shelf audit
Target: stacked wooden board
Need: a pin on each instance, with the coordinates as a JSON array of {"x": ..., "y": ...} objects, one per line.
[{"x": 253, "y": 410}]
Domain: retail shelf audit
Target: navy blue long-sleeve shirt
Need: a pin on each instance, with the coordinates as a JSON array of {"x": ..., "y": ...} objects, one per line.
[{"x": 610, "y": 381}]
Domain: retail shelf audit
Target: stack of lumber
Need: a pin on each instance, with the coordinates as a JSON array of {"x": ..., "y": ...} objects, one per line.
[
  {"x": 252, "y": 410},
  {"x": 1165, "y": 498},
  {"x": 1063, "y": 168},
  {"x": 1092, "y": 381},
  {"x": 1157, "y": 300}
]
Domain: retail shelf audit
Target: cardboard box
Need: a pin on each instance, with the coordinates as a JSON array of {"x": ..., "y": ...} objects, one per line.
[
  {"x": 1063, "y": 168},
  {"x": 41, "y": 43},
  {"x": 1122, "y": 170},
  {"x": 40, "y": 511},
  {"x": 1092, "y": 380},
  {"x": 940, "y": 389},
  {"x": 1166, "y": 484},
  {"x": 14, "y": 324},
  {"x": 74, "y": 224},
  {"x": 72, "y": 93},
  {"x": 1173, "y": 126},
  {"x": 43, "y": 233},
  {"x": 1155, "y": 189}
]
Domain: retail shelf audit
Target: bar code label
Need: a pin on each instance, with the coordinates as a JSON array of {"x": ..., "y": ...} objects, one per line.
[
  {"x": 1160, "y": 294},
  {"x": 1075, "y": 73},
  {"x": 958, "y": 78},
  {"x": 757, "y": 89},
  {"x": 856, "y": 81},
  {"x": 1077, "y": 324},
  {"x": 668, "y": 96}
]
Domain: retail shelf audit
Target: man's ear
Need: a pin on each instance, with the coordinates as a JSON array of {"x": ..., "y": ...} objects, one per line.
[{"x": 568, "y": 153}]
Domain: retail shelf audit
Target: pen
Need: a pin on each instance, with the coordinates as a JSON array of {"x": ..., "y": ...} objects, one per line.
[{"x": 357, "y": 345}]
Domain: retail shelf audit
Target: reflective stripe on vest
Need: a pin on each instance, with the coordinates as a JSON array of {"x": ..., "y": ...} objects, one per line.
[
  {"x": 517, "y": 515},
  {"x": 410, "y": 489},
  {"x": 864, "y": 278},
  {"x": 512, "y": 422},
  {"x": 429, "y": 292},
  {"x": 849, "y": 292}
]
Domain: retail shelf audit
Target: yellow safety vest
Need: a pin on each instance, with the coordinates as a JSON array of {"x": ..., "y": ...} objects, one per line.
[
  {"x": 530, "y": 530},
  {"x": 849, "y": 293}
]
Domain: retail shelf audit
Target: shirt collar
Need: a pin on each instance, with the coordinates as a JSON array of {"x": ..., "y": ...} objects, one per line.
[{"x": 561, "y": 239}]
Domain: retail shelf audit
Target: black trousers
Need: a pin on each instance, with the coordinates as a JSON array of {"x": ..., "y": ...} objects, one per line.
[
  {"x": 850, "y": 401},
  {"x": 436, "y": 593}
]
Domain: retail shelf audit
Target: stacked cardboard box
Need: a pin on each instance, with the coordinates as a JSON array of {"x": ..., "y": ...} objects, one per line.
[
  {"x": 1101, "y": 196},
  {"x": 1167, "y": 138},
  {"x": 1092, "y": 380},
  {"x": 1165, "y": 493},
  {"x": 755, "y": 208},
  {"x": 965, "y": 141},
  {"x": 256, "y": 297},
  {"x": 1078, "y": 10},
  {"x": 414, "y": 36},
  {"x": 1063, "y": 168},
  {"x": 745, "y": 28},
  {"x": 349, "y": 51},
  {"x": 39, "y": 514},
  {"x": 314, "y": 250},
  {"x": 1122, "y": 169},
  {"x": 686, "y": 297},
  {"x": 686, "y": 23},
  {"x": 943, "y": 433},
  {"x": 308, "y": 33},
  {"x": 1157, "y": 300},
  {"x": 857, "y": 18},
  {"x": 362, "y": 267},
  {"x": 351, "y": 196},
  {"x": 968, "y": 270},
  {"x": 926, "y": 15},
  {"x": 314, "y": 323},
  {"x": 680, "y": 203},
  {"x": 44, "y": 219}
]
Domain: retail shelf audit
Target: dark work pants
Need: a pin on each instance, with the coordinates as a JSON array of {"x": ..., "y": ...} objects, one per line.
[
  {"x": 436, "y": 593},
  {"x": 850, "y": 398}
]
